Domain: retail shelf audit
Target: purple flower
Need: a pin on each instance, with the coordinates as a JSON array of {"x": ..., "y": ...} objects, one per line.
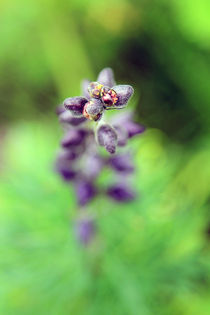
[
  {"x": 64, "y": 168},
  {"x": 122, "y": 163},
  {"x": 107, "y": 137},
  {"x": 99, "y": 96},
  {"x": 125, "y": 121},
  {"x": 75, "y": 105},
  {"x": 80, "y": 162},
  {"x": 66, "y": 117},
  {"x": 120, "y": 193},
  {"x": 85, "y": 230},
  {"x": 73, "y": 137},
  {"x": 85, "y": 191}
]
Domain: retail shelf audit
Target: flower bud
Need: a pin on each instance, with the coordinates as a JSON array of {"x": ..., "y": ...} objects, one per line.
[
  {"x": 120, "y": 193},
  {"x": 85, "y": 191},
  {"x": 73, "y": 137},
  {"x": 124, "y": 93},
  {"x": 122, "y": 163},
  {"x": 107, "y": 137},
  {"x": 93, "y": 109},
  {"x": 75, "y": 105},
  {"x": 66, "y": 117}
]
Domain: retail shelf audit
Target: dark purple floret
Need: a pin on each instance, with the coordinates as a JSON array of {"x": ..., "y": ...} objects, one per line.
[
  {"x": 66, "y": 117},
  {"x": 133, "y": 128},
  {"x": 124, "y": 93},
  {"x": 75, "y": 105},
  {"x": 85, "y": 191},
  {"x": 120, "y": 193},
  {"x": 73, "y": 137},
  {"x": 122, "y": 135},
  {"x": 85, "y": 230},
  {"x": 122, "y": 163},
  {"x": 93, "y": 109},
  {"x": 63, "y": 166},
  {"x": 67, "y": 174},
  {"x": 67, "y": 155},
  {"x": 107, "y": 137}
]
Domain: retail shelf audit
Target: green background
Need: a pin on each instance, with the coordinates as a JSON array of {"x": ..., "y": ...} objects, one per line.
[{"x": 150, "y": 256}]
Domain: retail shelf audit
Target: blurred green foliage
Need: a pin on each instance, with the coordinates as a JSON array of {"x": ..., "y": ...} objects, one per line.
[{"x": 151, "y": 256}]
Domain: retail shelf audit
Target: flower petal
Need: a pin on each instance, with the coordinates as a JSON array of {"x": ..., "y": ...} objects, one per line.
[
  {"x": 122, "y": 163},
  {"x": 63, "y": 167},
  {"x": 125, "y": 121},
  {"x": 124, "y": 93},
  {"x": 84, "y": 87},
  {"x": 75, "y": 105},
  {"x": 85, "y": 191},
  {"x": 133, "y": 128},
  {"x": 107, "y": 137},
  {"x": 66, "y": 117},
  {"x": 73, "y": 137},
  {"x": 85, "y": 230},
  {"x": 106, "y": 77},
  {"x": 120, "y": 193},
  {"x": 122, "y": 135}
]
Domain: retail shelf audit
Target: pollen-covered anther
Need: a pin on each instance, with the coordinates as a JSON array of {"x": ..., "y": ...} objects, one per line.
[
  {"x": 108, "y": 96},
  {"x": 94, "y": 89}
]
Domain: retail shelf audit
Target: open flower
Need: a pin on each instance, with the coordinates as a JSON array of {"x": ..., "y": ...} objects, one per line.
[{"x": 101, "y": 95}]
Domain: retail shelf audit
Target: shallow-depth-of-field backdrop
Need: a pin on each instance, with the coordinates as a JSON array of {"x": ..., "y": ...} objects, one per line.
[{"x": 150, "y": 256}]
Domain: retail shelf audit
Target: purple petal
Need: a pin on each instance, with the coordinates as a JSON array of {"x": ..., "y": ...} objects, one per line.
[
  {"x": 107, "y": 137},
  {"x": 120, "y": 193},
  {"x": 106, "y": 77},
  {"x": 67, "y": 174},
  {"x": 73, "y": 137},
  {"x": 124, "y": 93},
  {"x": 85, "y": 192},
  {"x": 85, "y": 230},
  {"x": 66, "y": 117},
  {"x": 124, "y": 120},
  {"x": 67, "y": 155},
  {"x": 63, "y": 167},
  {"x": 133, "y": 128},
  {"x": 122, "y": 163},
  {"x": 75, "y": 105},
  {"x": 122, "y": 135},
  {"x": 84, "y": 86}
]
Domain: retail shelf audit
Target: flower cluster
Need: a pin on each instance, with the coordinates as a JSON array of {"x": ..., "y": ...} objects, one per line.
[
  {"x": 80, "y": 162},
  {"x": 99, "y": 96}
]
